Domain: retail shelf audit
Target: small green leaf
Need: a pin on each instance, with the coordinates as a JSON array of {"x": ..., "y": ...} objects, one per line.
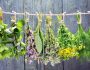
[
  {"x": 41, "y": 35},
  {"x": 23, "y": 44},
  {"x": 3, "y": 48},
  {"x": 38, "y": 43},
  {"x": 20, "y": 37},
  {"x": 20, "y": 24},
  {"x": 22, "y": 52}
]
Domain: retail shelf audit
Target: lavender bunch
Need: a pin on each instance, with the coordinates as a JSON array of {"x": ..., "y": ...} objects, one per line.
[{"x": 31, "y": 47}]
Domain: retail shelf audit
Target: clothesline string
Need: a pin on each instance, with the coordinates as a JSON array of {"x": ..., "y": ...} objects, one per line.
[{"x": 51, "y": 14}]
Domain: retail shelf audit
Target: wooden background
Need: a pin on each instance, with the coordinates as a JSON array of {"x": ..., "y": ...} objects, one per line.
[{"x": 44, "y": 6}]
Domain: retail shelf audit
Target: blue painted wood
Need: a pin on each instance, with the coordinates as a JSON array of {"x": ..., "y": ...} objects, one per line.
[
  {"x": 88, "y": 8},
  {"x": 10, "y": 5},
  {"x": 71, "y": 6},
  {"x": 44, "y": 6}
]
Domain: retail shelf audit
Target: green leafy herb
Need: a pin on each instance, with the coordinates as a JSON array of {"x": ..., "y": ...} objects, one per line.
[
  {"x": 38, "y": 35},
  {"x": 83, "y": 38},
  {"x": 65, "y": 37}
]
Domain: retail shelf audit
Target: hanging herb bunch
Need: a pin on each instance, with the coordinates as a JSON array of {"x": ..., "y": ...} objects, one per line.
[
  {"x": 35, "y": 41},
  {"x": 11, "y": 39},
  {"x": 67, "y": 42},
  {"x": 31, "y": 47},
  {"x": 17, "y": 32},
  {"x": 4, "y": 50},
  {"x": 39, "y": 35},
  {"x": 39, "y": 39},
  {"x": 31, "y": 51},
  {"x": 50, "y": 44},
  {"x": 65, "y": 37},
  {"x": 83, "y": 38}
]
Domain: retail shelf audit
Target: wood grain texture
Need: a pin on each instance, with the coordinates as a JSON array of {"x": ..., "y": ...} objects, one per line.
[
  {"x": 10, "y": 5},
  {"x": 88, "y": 8},
  {"x": 56, "y": 67},
  {"x": 44, "y": 6},
  {"x": 71, "y": 6}
]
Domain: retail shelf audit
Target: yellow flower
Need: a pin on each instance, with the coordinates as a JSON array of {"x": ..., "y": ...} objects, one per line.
[{"x": 67, "y": 52}]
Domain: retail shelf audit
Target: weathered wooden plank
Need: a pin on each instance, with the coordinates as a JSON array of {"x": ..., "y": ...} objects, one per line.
[
  {"x": 84, "y": 66},
  {"x": 56, "y": 67},
  {"x": 13, "y": 64},
  {"x": 10, "y": 5},
  {"x": 55, "y": 6},
  {"x": 3, "y": 65},
  {"x": 32, "y": 66},
  {"x": 71, "y": 6},
  {"x": 88, "y": 9},
  {"x": 29, "y": 7},
  {"x": 72, "y": 64}
]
